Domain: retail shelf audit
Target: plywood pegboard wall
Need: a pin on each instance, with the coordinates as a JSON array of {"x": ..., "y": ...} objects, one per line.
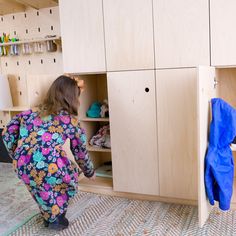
[{"x": 31, "y": 24}]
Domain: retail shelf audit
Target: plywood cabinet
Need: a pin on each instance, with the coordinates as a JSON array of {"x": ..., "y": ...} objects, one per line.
[
  {"x": 133, "y": 131},
  {"x": 181, "y": 33},
  {"x": 128, "y": 34},
  {"x": 176, "y": 120},
  {"x": 82, "y": 36},
  {"x": 223, "y": 36}
]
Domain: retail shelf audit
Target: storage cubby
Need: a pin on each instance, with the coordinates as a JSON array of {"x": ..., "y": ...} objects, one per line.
[{"x": 95, "y": 91}]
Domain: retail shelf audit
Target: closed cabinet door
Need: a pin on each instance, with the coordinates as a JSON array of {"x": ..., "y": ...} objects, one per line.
[
  {"x": 128, "y": 34},
  {"x": 223, "y": 35},
  {"x": 181, "y": 33},
  {"x": 205, "y": 91},
  {"x": 132, "y": 109},
  {"x": 177, "y": 132},
  {"x": 82, "y": 36}
]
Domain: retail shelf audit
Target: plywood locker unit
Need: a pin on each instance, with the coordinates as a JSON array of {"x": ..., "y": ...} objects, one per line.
[
  {"x": 181, "y": 33},
  {"x": 176, "y": 119},
  {"x": 133, "y": 131},
  {"x": 82, "y": 36},
  {"x": 95, "y": 91},
  {"x": 223, "y": 35},
  {"x": 128, "y": 34}
]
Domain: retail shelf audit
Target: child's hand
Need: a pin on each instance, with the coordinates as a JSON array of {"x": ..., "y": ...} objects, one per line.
[{"x": 93, "y": 177}]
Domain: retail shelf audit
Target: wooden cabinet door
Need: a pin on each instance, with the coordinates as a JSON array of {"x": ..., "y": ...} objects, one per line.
[
  {"x": 181, "y": 33},
  {"x": 205, "y": 91},
  {"x": 132, "y": 109},
  {"x": 177, "y": 132},
  {"x": 223, "y": 35},
  {"x": 128, "y": 34},
  {"x": 82, "y": 36}
]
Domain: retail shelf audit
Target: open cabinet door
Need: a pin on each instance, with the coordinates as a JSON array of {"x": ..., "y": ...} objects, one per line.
[{"x": 206, "y": 90}]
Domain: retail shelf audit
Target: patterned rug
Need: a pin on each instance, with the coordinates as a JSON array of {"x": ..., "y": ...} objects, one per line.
[
  {"x": 16, "y": 204},
  {"x": 96, "y": 215}
]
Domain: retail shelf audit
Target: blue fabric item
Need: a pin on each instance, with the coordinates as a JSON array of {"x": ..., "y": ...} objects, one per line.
[
  {"x": 219, "y": 164},
  {"x": 94, "y": 110}
]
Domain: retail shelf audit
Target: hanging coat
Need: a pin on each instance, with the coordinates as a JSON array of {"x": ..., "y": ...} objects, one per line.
[{"x": 219, "y": 164}]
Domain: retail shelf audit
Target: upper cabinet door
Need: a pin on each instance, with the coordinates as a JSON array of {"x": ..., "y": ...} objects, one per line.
[
  {"x": 205, "y": 91},
  {"x": 223, "y": 36},
  {"x": 132, "y": 109},
  {"x": 177, "y": 132},
  {"x": 82, "y": 36},
  {"x": 181, "y": 33},
  {"x": 129, "y": 34}
]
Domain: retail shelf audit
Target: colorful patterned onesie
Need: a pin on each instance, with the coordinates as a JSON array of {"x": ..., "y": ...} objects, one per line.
[{"x": 35, "y": 145}]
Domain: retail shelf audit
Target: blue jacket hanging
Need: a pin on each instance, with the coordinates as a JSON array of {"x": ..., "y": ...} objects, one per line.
[{"x": 219, "y": 164}]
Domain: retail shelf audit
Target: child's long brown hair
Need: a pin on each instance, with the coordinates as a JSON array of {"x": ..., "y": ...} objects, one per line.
[{"x": 62, "y": 95}]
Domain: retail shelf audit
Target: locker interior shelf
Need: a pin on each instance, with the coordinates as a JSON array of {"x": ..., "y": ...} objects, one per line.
[
  {"x": 99, "y": 182},
  {"x": 88, "y": 119},
  {"x": 97, "y": 149}
]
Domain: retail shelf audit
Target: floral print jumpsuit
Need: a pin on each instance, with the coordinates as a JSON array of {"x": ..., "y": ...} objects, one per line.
[{"x": 35, "y": 145}]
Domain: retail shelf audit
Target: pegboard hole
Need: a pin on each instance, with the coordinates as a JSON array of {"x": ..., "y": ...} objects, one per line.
[
  {"x": 50, "y": 11},
  {"x": 19, "y": 78},
  {"x": 1, "y": 121},
  {"x": 54, "y": 60},
  {"x": 6, "y": 64},
  {"x": 146, "y": 90},
  {"x": 41, "y": 61},
  {"x": 17, "y": 63},
  {"x": 14, "y": 32},
  {"x": 26, "y": 31},
  {"x": 1, "y": 18},
  {"x": 38, "y": 29},
  {"x": 13, "y": 17},
  {"x": 25, "y": 15},
  {"x": 20, "y": 93},
  {"x": 52, "y": 27},
  {"x": 37, "y": 13},
  {"x": 29, "y": 62}
]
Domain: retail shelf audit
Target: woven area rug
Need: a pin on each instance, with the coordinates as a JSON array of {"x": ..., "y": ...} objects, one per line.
[
  {"x": 95, "y": 215},
  {"x": 16, "y": 204}
]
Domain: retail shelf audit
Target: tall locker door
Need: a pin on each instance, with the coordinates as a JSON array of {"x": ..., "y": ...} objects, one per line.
[
  {"x": 223, "y": 35},
  {"x": 205, "y": 91},
  {"x": 128, "y": 34},
  {"x": 82, "y": 36},
  {"x": 181, "y": 33},
  {"x": 177, "y": 132},
  {"x": 132, "y": 109}
]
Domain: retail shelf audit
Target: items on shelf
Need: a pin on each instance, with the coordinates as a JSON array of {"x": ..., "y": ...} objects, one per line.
[
  {"x": 105, "y": 170},
  {"x": 12, "y": 46},
  {"x": 101, "y": 138},
  {"x": 97, "y": 110},
  {"x": 4, "y": 39},
  {"x": 104, "y": 109}
]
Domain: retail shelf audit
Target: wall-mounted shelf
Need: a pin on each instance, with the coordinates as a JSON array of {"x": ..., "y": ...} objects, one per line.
[{"x": 54, "y": 38}]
